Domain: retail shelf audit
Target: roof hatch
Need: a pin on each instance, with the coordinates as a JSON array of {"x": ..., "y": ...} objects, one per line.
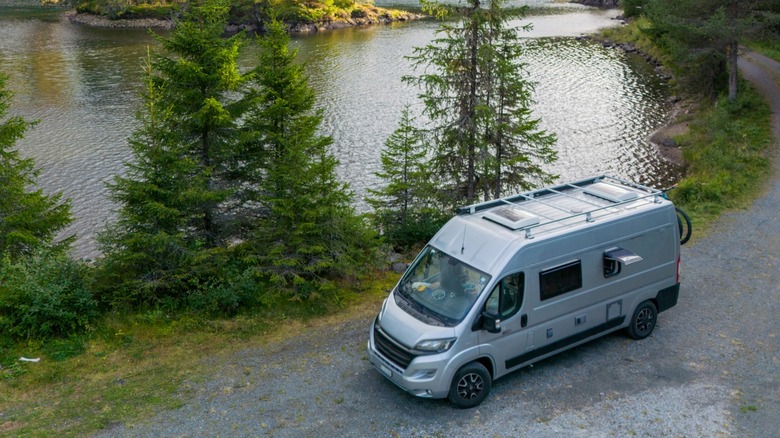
[
  {"x": 610, "y": 192},
  {"x": 512, "y": 217}
]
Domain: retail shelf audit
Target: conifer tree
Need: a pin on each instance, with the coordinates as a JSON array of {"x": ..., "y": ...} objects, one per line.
[
  {"x": 517, "y": 146},
  {"x": 486, "y": 140},
  {"x": 178, "y": 204},
  {"x": 198, "y": 76},
  {"x": 311, "y": 233},
  {"x": 148, "y": 250},
  {"x": 29, "y": 219},
  {"x": 406, "y": 208}
]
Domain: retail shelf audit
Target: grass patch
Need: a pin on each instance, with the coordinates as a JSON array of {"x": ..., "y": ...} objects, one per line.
[
  {"x": 748, "y": 408},
  {"x": 768, "y": 48},
  {"x": 131, "y": 367},
  {"x": 729, "y": 154}
]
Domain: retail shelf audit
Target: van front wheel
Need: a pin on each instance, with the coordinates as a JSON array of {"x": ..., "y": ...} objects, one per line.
[
  {"x": 470, "y": 385},
  {"x": 643, "y": 321}
]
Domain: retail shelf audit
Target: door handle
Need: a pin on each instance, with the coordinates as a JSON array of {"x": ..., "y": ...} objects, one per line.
[{"x": 523, "y": 320}]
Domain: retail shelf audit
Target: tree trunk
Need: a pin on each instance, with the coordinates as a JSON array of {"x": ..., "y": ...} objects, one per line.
[
  {"x": 472, "y": 105},
  {"x": 731, "y": 50}
]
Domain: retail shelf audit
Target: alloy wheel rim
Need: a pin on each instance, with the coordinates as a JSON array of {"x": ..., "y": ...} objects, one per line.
[
  {"x": 470, "y": 386},
  {"x": 644, "y": 320}
]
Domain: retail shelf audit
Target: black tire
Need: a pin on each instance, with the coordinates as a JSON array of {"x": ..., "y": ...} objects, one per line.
[
  {"x": 643, "y": 321},
  {"x": 684, "y": 223},
  {"x": 470, "y": 386}
]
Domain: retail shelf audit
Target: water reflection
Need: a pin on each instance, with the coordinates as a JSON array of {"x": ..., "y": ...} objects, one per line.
[{"x": 82, "y": 85}]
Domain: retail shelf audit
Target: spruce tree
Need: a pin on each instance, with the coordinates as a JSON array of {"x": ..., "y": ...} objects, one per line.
[
  {"x": 29, "y": 219},
  {"x": 486, "y": 140},
  {"x": 517, "y": 147},
  {"x": 178, "y": 204},
  {"x": 148, "y": 251},
  {"x": 406, "y": 208},
  {"x": 311, "y": 233},
  {"x": 198, "y": 77}
]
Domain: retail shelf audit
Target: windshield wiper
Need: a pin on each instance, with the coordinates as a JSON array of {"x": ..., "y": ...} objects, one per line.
[{"x": 419, "y": 311}]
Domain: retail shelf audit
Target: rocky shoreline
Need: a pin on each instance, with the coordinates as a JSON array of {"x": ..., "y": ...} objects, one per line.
[
  {"x": 599, "y": 3},
  {"x": 93, "y": 20}
]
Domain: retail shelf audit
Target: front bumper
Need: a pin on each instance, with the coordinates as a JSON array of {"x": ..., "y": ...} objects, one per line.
[{"x": 425, "y": 376}]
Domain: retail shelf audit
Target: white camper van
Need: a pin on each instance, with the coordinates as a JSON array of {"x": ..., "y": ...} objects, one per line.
[{"x": 510, "y": 282}]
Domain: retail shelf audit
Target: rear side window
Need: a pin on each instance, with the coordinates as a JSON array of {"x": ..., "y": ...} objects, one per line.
[{"x": 560, "y": 279}]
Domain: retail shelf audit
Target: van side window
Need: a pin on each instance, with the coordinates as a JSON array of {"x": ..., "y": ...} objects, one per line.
[
  {"x": 506, "y": 298},
  {"x": 559, "y": 280}
]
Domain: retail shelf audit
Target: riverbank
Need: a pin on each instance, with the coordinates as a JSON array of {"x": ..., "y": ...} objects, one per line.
[{"x": 724, "y": 146}]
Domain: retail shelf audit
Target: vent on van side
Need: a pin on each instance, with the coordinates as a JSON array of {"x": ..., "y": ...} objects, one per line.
[
  {"x": 610, "y": 192},
  {"x": 512, "y": 217}
]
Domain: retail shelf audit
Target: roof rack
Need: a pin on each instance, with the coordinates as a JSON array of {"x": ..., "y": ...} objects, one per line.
[{"x": 537, "y": 208}]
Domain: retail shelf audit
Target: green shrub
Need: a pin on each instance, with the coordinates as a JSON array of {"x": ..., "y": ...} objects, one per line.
[
  {"x": 633, "y": 8},
  {"x": 45, "y": 295},
  {"x": 417, "y": 228},
  {"x": 226, "y": 297},
  {"x": 344, "y": 4}
]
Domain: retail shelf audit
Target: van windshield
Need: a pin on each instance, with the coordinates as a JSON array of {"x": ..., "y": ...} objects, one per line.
[{"x": 442, "y": 286}]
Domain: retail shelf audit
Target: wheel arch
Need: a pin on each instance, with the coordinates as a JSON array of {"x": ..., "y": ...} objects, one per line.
[{"x": 488, "y": 363}]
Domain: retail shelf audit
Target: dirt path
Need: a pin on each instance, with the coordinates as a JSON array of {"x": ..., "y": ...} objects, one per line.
[{"x": 709, "y": 369}]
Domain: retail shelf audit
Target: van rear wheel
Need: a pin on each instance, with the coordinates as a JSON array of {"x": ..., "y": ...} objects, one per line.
[
  {"x": 470, "y": 386},
  {"x": 643, "y": 321}
]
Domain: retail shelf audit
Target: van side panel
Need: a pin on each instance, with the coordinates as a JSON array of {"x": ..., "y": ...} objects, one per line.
[{"x": 602, "y": 304}]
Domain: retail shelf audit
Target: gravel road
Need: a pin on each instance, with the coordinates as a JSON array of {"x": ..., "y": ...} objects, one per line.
[{"x": 709, "y": 369}]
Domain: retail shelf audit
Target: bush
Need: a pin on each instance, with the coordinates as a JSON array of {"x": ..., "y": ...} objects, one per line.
[
  {"x": 45, "y": 295},
  {"x": 226, "y": 297},
  {"x": 633, "y": 8},
  {"x": 418, "y": 227}
]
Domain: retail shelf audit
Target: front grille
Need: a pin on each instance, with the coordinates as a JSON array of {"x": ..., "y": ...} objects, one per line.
[{"x": 390, "y": 349}]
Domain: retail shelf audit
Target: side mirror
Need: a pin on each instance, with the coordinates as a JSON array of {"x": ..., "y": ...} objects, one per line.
[{"x": 491, "y": 323}]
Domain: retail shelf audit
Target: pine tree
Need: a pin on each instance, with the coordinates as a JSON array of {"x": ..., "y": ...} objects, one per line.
[
  {"x": 517, "y": 146},
  {"x": 29, "y": 219},
  {"x": 486, "y": 140},
  {"x": 311, "y": 233},
  {"x": 406, "y": 208}
]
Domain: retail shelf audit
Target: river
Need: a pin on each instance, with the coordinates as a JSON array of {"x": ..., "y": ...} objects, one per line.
[{"x": 82, "y": 85}]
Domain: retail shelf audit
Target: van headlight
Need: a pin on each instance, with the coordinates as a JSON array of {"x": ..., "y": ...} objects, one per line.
[{"x": 435, "y": 345}]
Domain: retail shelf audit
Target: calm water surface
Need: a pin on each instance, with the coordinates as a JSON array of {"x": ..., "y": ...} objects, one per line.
[{"x": 82, "y": 85}]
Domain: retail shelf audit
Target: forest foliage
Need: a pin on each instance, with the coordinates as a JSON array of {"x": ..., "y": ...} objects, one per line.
[{"x": 702, "y": 37}]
